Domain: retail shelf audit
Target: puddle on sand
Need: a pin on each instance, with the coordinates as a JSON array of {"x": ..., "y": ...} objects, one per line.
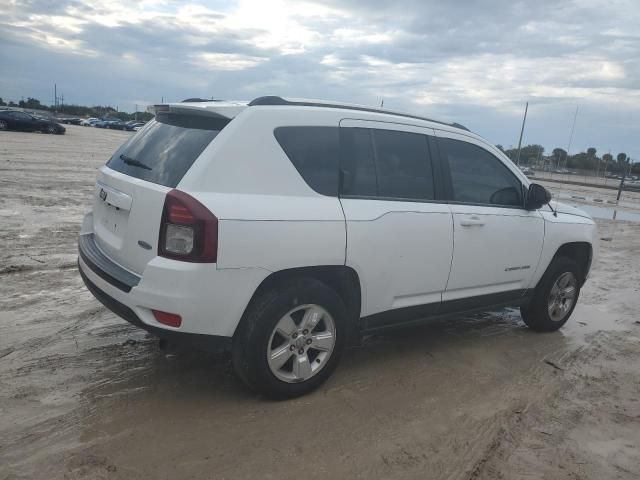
[{"x": 607, "y": 213}]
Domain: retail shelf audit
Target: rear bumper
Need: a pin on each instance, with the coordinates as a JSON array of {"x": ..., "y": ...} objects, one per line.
[
  {"x": 102, "y": 266},
  {"x": 212, "y": 343},
  {"x": 211, "y": 301}
]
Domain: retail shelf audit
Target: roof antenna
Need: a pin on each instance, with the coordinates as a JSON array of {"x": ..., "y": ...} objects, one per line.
[{"x": 554, "y": 210}]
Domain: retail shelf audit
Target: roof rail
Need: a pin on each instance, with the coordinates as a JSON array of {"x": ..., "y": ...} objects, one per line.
[{"x": 275, "y": 100}]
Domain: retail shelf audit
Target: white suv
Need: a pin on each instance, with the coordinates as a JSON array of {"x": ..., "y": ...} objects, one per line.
[{"x": 283, "y": 230}]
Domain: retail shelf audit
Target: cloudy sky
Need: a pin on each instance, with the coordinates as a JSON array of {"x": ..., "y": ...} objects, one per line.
[{"x": 474, "y": 62}]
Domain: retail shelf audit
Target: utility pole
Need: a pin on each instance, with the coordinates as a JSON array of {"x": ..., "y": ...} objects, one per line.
[
  {"x": 573, "y": 126},
  {"x": 526, "y": 107},
  {"x": 55, "y": 98},
  {"x": 624, "y": 175},
  {"x": 136, "y": 112}
]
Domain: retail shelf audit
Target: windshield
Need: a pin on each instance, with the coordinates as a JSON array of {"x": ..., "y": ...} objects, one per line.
[{"x": 166, "y": 147}]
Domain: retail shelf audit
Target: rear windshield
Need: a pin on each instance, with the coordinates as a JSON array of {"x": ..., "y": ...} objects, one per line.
[{"x": 165, "y": 149}]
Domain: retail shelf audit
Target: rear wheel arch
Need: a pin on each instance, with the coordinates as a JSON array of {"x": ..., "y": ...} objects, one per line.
[{"x": 340, "y": 278}]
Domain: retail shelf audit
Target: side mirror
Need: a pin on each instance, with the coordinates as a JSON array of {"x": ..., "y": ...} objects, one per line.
[{"x": 537, "y": 196}]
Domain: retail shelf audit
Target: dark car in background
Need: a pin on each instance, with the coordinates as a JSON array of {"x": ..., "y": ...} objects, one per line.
[
  {"x": 117, "y": 125},
  {"x": 24, "y": 122}
]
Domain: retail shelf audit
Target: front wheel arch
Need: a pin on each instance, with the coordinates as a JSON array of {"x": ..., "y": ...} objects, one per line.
[{"x": 579, "y": 252}]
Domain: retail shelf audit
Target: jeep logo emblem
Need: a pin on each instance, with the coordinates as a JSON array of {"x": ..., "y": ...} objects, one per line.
[{"x": 103, "y": 194}]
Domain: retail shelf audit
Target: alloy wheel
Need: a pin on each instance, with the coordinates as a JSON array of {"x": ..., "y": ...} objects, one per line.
[
  {"x": 301, "y": 343},
  {"x": 562, "y": 296}
]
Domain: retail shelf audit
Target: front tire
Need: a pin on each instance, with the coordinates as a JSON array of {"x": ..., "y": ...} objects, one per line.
[
  {"x": 291, "y": 339},
  {"x": 555, "y": 297},
  {"x": 3, "y": 125}
]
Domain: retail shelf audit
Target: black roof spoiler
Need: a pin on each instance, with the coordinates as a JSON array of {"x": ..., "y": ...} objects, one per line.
[{"x": 275, "y": 100}]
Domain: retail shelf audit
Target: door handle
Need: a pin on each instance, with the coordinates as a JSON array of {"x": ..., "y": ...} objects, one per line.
[{"x": 472, "y": 221}]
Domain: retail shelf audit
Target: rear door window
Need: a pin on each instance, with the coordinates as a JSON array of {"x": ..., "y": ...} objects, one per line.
[
  {"x": 314, "y": 152},
  {"x": 357, "y": 163},
  {"x": 387, "y": 164},
  {"x": 403, "y": 165},
  {"x": 166, "y": 147}
]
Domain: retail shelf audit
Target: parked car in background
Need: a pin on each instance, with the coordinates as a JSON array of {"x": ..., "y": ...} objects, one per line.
[
  {"x": 110, "y": 123},
  {"x": 284, "y": 230},
  {"x": 528, "y": 171},
  {"x": 89, "y": 122},
  {"x": 100, "y": 123},
  {"x": 133, "y": 126},
  {"x": 116, "y": 125},
  {"x": 69, "y": 121},
  {"x": 25, "y": 122}
]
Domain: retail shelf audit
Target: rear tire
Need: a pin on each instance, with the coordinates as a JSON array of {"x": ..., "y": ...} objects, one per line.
[
  {"x": 555, "y": 296},
  {"x": 291, "y": 339},
  {"x": 3, "y": 125}
]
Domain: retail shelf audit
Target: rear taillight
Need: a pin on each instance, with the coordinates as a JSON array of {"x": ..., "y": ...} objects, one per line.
[{"x": 188, "y": 230}]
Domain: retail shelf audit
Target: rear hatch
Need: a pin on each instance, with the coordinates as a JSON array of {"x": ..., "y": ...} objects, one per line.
[{"x": 130, "y": 190}]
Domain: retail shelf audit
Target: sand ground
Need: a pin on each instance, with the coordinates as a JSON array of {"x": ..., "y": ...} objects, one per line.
[{"x": 84, "y": 395}]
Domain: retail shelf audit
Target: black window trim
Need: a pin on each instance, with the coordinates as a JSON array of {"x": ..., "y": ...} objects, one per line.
[
  {"x": 436, "y": 169},
  {"x": 448, "y": 182}
]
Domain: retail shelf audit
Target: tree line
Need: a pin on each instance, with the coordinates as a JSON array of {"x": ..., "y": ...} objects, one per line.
[
  {"x": 533, "y": 155},
  {"x": 98, "y": 111}
]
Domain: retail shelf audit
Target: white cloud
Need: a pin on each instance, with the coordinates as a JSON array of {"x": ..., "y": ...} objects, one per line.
[
  {"x": 225, "y": 61},
  {"x": 451, "y": 58}
]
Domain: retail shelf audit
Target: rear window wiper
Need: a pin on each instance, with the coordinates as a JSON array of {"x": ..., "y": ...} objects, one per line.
[{"x": 133, "y": 162}]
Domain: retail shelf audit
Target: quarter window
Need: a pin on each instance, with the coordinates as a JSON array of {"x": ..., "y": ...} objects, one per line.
[
  {"x": 314, "y": 152},
  {"x": 479, "y": 177}
]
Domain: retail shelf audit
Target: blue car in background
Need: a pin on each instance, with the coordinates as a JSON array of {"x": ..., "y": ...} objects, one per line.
[{"x": 110, "y": 123}]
